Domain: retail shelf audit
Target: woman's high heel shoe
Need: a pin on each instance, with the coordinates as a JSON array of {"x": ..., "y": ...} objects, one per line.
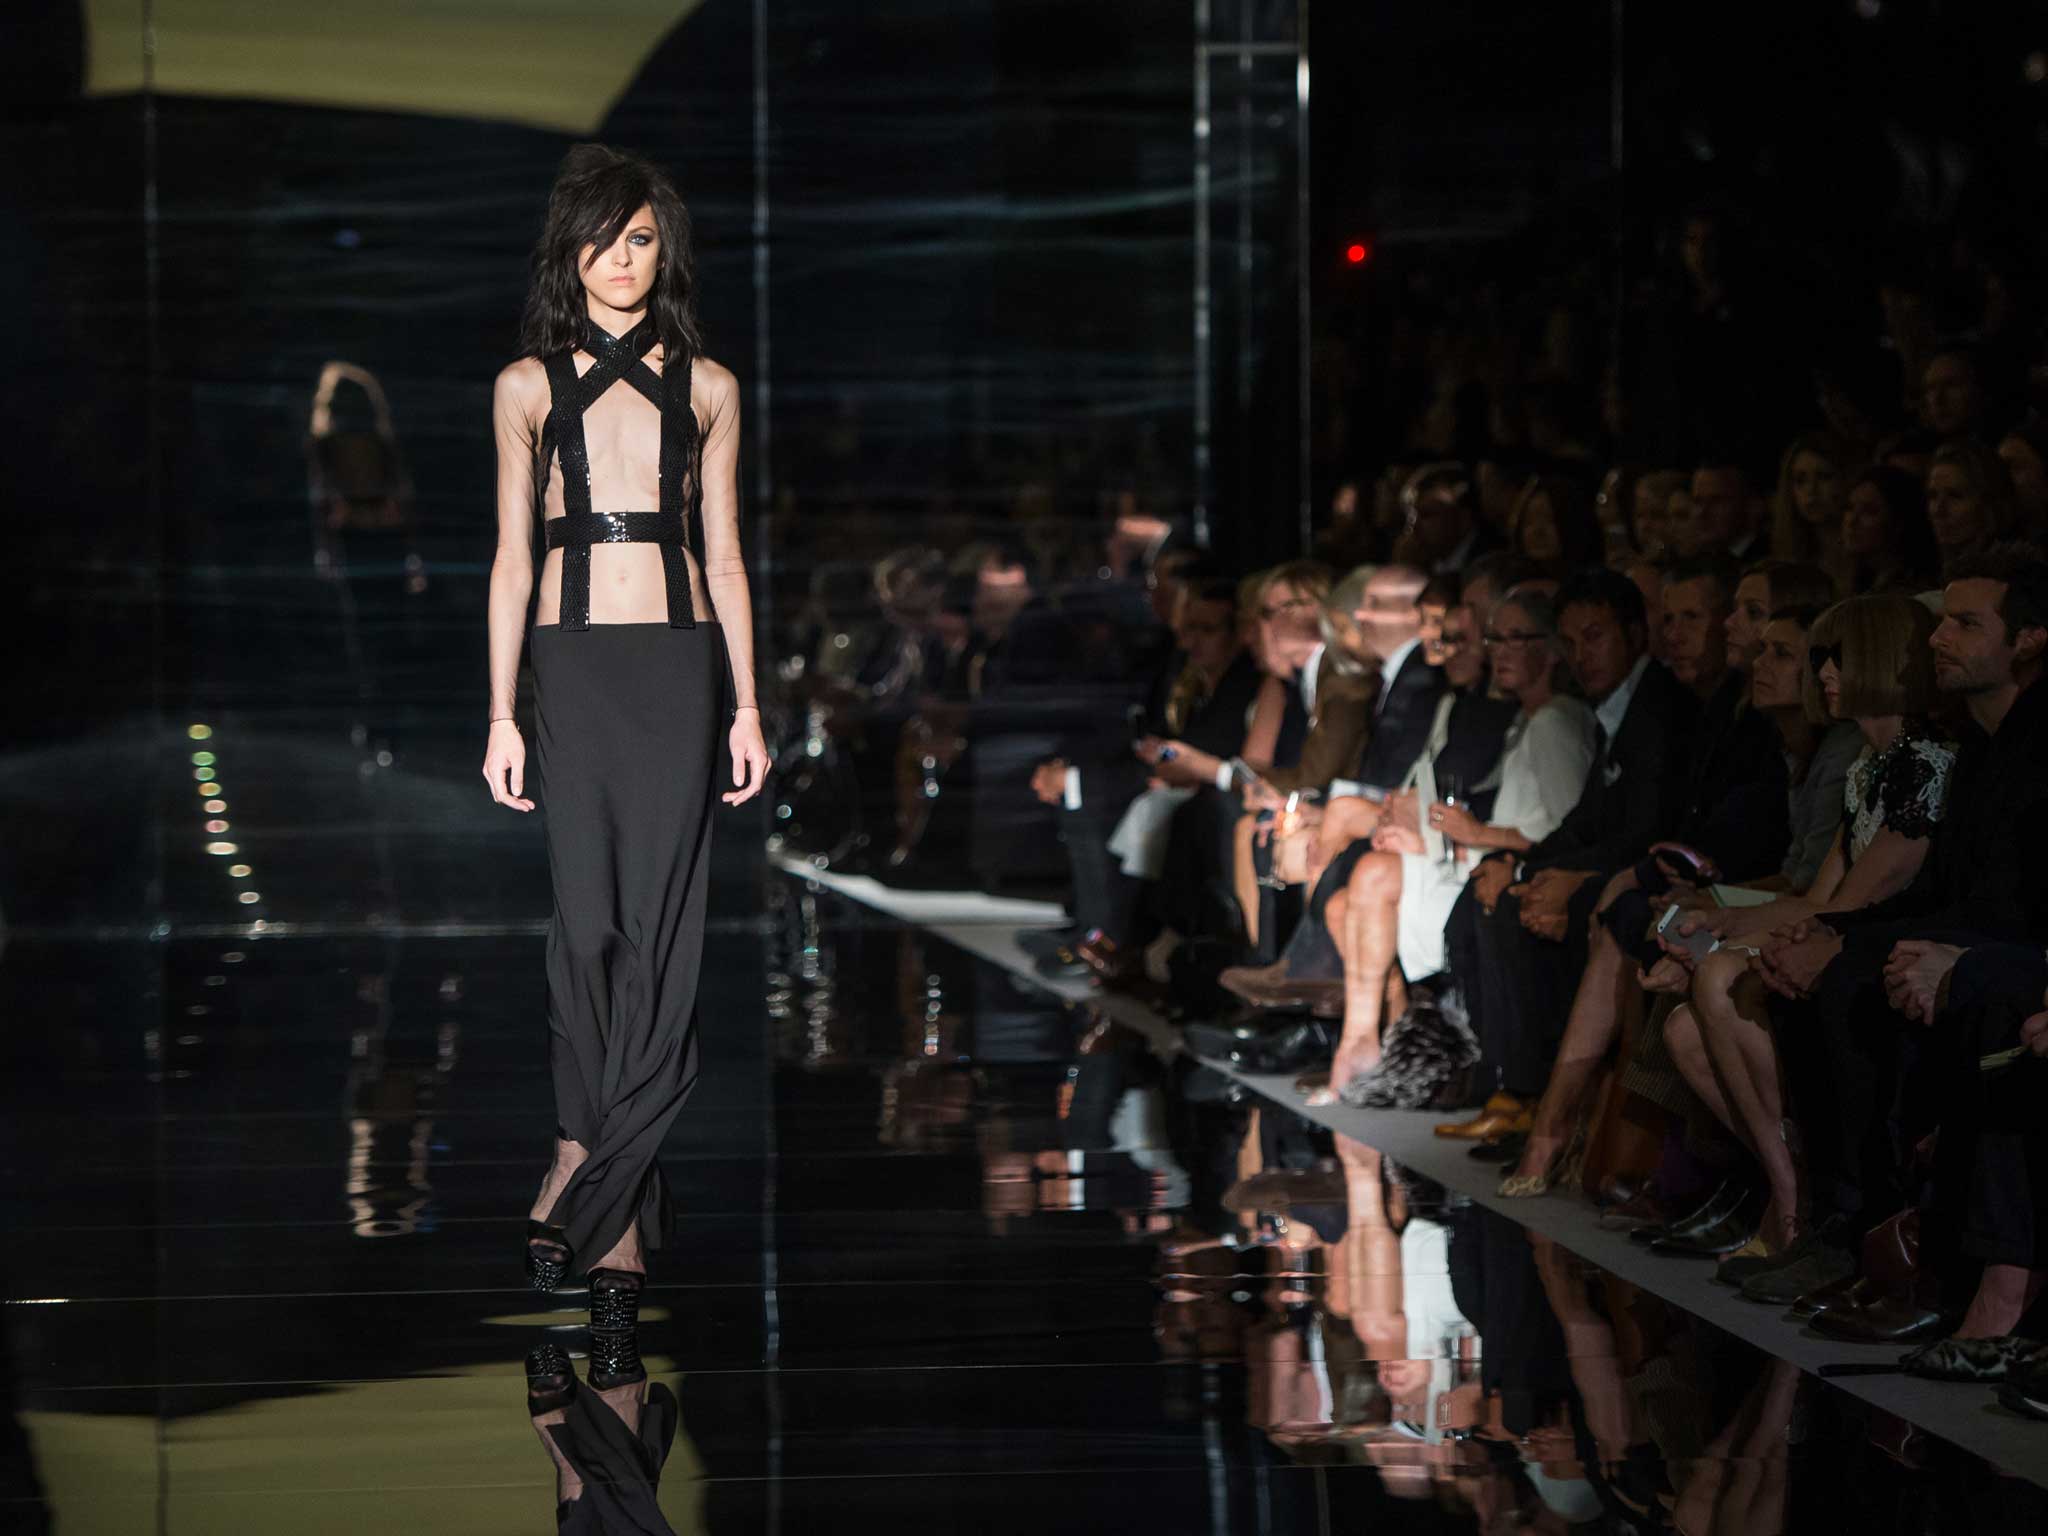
[
  {"x": 550, "y": 1379},
  {"x": 615, "y": 1328},
  {"x": 1566, "y": 1168}
]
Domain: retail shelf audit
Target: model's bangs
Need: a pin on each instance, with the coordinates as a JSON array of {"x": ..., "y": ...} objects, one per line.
[{"x": 609, "y": 205}]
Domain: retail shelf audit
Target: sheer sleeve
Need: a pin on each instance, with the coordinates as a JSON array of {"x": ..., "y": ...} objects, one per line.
[
  {"x": 725, "y": 570},
  {"x": 513, "y": 416}
]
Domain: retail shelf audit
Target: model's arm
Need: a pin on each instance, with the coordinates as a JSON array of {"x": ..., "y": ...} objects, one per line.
[
  {"x": 725, "y": 576},
  {"x": 513, "y": 400}
]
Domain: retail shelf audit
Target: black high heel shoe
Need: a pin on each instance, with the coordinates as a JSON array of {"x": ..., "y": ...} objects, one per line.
[
  {"x": 615, "y": 1328},
  {"x": 550, "y": 1379}
]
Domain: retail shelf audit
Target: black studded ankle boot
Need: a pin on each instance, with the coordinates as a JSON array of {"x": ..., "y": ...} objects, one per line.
[{"x": 615, "y": 1328}]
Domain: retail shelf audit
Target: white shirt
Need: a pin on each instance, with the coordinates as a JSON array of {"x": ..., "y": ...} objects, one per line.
[
  {"x": 1310, "y": 671},
  {"x": 1611, "y": 710}
]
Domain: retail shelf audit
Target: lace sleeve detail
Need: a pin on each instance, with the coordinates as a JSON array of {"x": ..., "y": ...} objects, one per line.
[{"x": 1912, "y": 792}]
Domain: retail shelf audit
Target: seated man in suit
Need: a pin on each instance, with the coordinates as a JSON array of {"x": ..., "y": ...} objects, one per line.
[
  {"x": 1386, "y": 626},
  {"x": 1201, "y": 699},
  {"x": 1517, "y": 936}
]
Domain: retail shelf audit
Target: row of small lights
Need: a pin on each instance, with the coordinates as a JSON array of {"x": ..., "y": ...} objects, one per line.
[{"x": 213, "y": 801}]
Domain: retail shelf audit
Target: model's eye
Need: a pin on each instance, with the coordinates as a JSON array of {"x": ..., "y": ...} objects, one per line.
[{"x": 643, "y": 239}]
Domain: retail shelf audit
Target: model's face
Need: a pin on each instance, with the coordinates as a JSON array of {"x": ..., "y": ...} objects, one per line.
[
  {"x": 1972, "y": 652},
  {"x": 1954, "y": 507},
  {"x": 1207, "y": 631},
  {"x": 1746, "y": 623},
  {"x": 1866, "y": 523},
  {"x": 1816, "y": 489},
  {"x": 1521, "y": 653},
  {"x": 1777, "y": 676},
  {"x": 622, "y": 276},
  {"x": 1597, "y": 647}
]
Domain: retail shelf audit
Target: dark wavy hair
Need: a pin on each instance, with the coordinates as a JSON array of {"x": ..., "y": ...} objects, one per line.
[{"x": 596, "y": 193}]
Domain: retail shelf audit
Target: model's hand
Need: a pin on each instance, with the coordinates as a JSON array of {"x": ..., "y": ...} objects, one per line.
[
  {"x": 749, "y": 757},
  {"x": 505, "y": 765}
]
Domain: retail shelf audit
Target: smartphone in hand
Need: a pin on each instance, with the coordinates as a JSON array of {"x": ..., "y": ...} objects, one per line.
[{"x": 1699, "y": 943}]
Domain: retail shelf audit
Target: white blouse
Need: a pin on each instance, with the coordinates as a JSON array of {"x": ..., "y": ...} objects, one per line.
[{"x": 1543, "y": 767}]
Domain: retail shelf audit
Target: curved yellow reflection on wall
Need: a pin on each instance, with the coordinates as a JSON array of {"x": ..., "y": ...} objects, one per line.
[{"x": 556, "y": 64}]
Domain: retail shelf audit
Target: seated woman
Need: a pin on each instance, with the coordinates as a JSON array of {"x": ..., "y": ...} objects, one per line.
[
  {"x": 1875, "y": 669},
  {"x": 1609, "y": 981},
  {"x": 1400, "y": 894}
]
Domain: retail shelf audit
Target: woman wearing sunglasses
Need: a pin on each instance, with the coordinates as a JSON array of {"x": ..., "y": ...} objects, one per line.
[{"x": 1868, "y": 661}]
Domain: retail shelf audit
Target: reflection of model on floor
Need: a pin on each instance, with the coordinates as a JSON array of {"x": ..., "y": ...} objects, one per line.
[{"x": 608, "y": 1443}]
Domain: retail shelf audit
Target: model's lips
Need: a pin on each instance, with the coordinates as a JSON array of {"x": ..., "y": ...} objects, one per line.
[{"x": 619, "y": 279}]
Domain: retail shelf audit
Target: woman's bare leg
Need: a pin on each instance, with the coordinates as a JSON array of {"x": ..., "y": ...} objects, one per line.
[
  {"x": 1734, "y": 1024},
  {"x": 568, "y": 1486},
  {"x": 1244, "y": 879},
  {"x": 1689, "y": 1051},
  {"x": 569, "y": 1156},
  {"x": 1370, "y": 936},
  {"x": 1588, "y": 1033}
]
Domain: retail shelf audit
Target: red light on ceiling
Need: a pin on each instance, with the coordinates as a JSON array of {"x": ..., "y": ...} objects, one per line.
[{"x": 1358, "y": 253}]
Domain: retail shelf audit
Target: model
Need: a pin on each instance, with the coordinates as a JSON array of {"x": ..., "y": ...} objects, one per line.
[{"x": 626, "y": 439}]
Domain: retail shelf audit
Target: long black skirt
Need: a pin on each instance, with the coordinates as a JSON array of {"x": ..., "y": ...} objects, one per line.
[{"x": 629, "y": 722}]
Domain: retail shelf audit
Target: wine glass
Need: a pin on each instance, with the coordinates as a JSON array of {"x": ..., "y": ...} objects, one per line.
[{"x": 1449, "y": 787}]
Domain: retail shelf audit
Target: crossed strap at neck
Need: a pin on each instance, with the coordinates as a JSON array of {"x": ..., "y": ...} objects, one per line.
[{"x": 619, "y": 357}]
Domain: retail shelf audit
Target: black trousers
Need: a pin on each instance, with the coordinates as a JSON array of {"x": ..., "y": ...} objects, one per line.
[
  {"x": 1860, "y": 1094},
  {"x": 1991, "y": 1162},
  {"x": 1104, "y": 896},
  {"x": 1518, "y": 988}
]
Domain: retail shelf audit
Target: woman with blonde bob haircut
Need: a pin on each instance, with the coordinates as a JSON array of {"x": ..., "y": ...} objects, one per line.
[{"x": 1868, "y": 661}]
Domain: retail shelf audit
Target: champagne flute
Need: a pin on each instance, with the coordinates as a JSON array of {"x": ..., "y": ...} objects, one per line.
[{"x": 1448, "y": 786}]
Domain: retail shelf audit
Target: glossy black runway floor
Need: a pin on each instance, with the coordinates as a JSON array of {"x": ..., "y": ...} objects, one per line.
[{"x": 948, "y": 1254}]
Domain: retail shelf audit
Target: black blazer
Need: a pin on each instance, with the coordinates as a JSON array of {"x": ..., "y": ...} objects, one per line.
[
  {"x": 1636, "y": 787},
  {"x": 1401, "y": 723},
  {"x": 1737, "y": 809},
  {"x": 1981, "y": 874}
]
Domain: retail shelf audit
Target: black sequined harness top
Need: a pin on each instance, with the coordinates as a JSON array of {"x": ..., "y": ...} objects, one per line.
[{"x": 677, "y": 527}]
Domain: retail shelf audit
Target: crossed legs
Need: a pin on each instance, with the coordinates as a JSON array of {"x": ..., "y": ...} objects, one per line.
[{"x": 1723, "y": 1046}]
